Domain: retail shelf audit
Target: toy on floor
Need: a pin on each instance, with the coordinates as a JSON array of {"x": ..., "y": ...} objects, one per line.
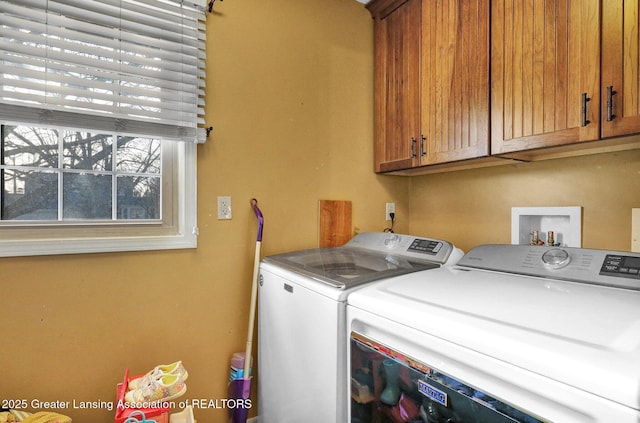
[
  {"x": 16, "y": 416},
  {"x": 7, "y": 417}
]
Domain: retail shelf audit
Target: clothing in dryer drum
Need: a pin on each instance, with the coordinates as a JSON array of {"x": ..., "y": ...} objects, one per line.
[{"x": 387, "y": 385}]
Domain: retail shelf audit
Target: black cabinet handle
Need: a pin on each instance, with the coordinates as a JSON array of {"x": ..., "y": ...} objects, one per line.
[
  {"x": 583, "y": 109},
  {"x": 413, "y": 147},
  {"x": 610, "y": 94},
  {"x": 423, "y": 151}
]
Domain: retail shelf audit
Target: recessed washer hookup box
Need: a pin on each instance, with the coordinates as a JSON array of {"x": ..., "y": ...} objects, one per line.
[{"x": 564, "y": 222}]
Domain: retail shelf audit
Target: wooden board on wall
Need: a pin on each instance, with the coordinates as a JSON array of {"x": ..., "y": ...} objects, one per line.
[{"x": 335, "y": 222}]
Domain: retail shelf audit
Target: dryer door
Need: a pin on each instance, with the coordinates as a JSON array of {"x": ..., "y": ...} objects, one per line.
[
  {"x": 386, "y": 385},
  {"x": 398, "y": 374}
]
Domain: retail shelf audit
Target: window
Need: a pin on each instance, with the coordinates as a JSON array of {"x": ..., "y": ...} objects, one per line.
[
  {"x": 60, "y": 174},
  {"x": 100, "y": 103}
]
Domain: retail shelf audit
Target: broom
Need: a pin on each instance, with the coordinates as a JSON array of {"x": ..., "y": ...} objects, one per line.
[{"x": 240, "y": 389}]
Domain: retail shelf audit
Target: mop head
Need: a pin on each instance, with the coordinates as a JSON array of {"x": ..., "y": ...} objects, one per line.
[{"x": 239, "y": 401}]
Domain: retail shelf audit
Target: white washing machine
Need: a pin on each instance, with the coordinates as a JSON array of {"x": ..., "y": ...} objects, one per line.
[
  {"x": 510, "y": 334},
  {"x": 301, "y": 319}
]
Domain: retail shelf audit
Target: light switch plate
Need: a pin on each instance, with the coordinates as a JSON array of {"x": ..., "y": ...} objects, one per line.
[{"x": 635, "y": 230}]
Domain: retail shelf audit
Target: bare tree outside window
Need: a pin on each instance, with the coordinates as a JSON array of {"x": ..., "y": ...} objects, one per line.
[{"x": 59, "y": 174}]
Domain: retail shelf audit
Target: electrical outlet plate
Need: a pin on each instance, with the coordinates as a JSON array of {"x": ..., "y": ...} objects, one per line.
[
  {"x": 390, "y": 208},
  {"x": 224, "y": 208}
]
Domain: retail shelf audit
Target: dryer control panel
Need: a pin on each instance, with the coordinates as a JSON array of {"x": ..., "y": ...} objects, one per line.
[
  {"x": 599, "y": 267},
  {"x": 618, "y": 265}
]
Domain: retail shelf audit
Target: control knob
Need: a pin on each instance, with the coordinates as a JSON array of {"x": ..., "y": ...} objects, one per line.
[
  {"x": 391, "y": 241},
  {"x": 556, "y": 258}
]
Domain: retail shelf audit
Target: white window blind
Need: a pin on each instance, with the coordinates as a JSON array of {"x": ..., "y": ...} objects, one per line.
[{"x": 131, "y": 66}]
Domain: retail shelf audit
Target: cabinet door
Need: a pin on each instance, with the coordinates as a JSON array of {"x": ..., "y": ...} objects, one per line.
[
  {"x": 545, "y": 61},
  {"x": 620, "y": 68},
  {"x": 455, "y": 80},
  {"x": 397, "y": 82}
]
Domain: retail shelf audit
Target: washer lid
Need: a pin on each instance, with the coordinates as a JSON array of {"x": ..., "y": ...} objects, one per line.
[
  {"x": 368, "y": 257},
  {"x": 347, "y": 267}
]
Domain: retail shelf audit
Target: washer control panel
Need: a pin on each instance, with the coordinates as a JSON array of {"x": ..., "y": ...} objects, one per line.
[
  {"x": 621, "y": 266},
  {"x": 425, "y": 246},
  {"x": 407, "y": 246}
]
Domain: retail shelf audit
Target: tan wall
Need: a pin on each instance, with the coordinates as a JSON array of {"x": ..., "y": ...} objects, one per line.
[
  {"x": 290, "y": 95},
  {"x": 474, "y": 207}
]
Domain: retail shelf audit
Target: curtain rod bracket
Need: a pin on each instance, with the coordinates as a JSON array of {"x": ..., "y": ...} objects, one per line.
[
  {"x": 209, "y": 129},
  {"x": 211, "y": 2}
]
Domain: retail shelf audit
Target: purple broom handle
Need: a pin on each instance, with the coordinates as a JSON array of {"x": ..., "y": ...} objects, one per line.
[{"x": 258, "y": 213}]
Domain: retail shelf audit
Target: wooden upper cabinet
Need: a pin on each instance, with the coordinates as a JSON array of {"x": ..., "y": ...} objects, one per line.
[
  {"x": 455, "y": 80},
  {"x": 431, "y": 82},
  {"x": 397, "y": 83},
  {"x": 463, "y": 83},
  {"x": 620, "y": 68},
  {"x": 545, "y": 73}
]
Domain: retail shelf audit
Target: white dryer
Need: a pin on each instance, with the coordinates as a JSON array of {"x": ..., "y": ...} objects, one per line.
[
  {"x": 510, "y": 334},
  {"x": 302, "y": 319}
]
